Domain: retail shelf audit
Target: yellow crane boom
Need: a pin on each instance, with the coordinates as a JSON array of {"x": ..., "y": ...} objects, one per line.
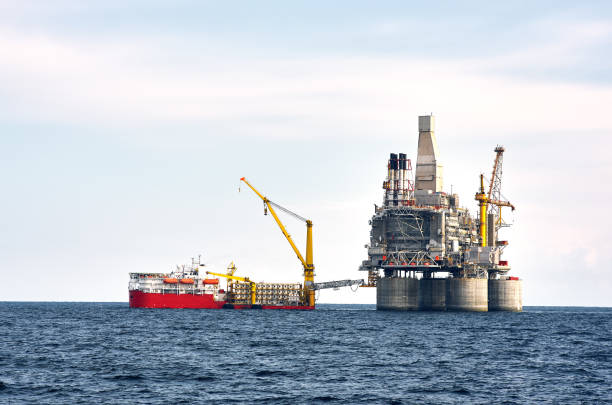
[
  {"x": 243, "y": 279},
  {"x": 306, "y": 263}
]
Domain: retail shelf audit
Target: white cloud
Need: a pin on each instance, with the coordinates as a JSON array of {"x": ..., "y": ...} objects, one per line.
[
  {"x": 552, "y": 44},
  {"x": 54, "y": 79}
]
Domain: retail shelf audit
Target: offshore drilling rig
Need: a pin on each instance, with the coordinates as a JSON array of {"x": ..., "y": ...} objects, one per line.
[{"x": 428, "y": 253}]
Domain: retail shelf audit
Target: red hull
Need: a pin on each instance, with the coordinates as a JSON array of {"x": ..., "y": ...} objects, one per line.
[{"x": 139, "y": 299}]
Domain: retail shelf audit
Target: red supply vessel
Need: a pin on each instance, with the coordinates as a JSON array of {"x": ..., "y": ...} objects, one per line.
[{"x": 186, "y": 287}]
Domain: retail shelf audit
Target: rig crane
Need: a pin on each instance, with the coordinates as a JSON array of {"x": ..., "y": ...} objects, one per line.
[
  {"x": 309, "y": 293},
  {"x": 492, "y": 198}
]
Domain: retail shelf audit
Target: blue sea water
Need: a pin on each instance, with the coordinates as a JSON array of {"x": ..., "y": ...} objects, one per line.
[{"x": 68, "y": 353}]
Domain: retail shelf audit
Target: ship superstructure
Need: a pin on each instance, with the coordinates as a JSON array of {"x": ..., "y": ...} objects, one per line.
[
  {"x": 184, "y": 287},
  {"x": 426, "y": 251}
]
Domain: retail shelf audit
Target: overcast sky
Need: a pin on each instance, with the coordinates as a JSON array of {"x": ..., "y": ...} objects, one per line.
[{"x": 125, "y": 127}]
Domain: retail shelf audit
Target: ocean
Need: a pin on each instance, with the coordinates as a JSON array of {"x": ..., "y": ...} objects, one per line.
[{"x": 72, "y": 353}]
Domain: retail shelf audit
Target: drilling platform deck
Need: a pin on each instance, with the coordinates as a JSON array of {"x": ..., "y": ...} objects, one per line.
[{"x": 426, "y": 252}]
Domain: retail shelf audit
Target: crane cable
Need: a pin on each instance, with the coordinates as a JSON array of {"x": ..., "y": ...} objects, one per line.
[{"x": 285, "y": 210}]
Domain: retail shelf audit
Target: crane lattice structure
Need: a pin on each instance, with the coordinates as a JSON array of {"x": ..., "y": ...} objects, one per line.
[
  {"x": 495, "y": 186},
  {"x": 490, "y": 202}
]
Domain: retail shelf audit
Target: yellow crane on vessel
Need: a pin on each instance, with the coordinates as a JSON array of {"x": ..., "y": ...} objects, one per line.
[
  {"x": 243, "y": 279},
  {"x": 308, "y": 289},
  {"x": 492, "y": 197},
  {"x": 231, "y": 269}
]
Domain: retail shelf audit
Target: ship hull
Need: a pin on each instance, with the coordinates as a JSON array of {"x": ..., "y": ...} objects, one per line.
[{"x": 139, "y": 299}]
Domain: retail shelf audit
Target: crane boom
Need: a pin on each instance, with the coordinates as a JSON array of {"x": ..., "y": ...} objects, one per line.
[
  {"x": 243, "y": 279},
  {"x": 306, "y": 263},
  {"x": 494, "y": 195},
  {"x": 270, "y": 204},
  {"x": 337, "y": 284},
  {"x": 495, "y": 182},
  {"x": 502, "y": 204}
]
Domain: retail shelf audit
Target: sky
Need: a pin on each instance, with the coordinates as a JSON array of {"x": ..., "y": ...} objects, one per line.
[{"x": 126, "y": 126}]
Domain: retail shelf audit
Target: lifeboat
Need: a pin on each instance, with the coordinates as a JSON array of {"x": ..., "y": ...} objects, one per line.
[
  {"x": 211, "y": 281},
  {"x": 169, "y": 280},
  {"x": 186, "y": 281}
]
